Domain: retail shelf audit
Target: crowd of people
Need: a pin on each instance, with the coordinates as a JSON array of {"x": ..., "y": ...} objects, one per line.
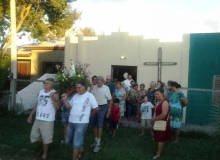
[{"x": 109, "y": 103}]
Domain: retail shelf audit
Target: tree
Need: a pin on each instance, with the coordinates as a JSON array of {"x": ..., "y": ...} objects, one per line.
[
  {"x": 88, "y": 31},
  {"x": 4, "y": 70},
  {"x": 42, "y": 18}
]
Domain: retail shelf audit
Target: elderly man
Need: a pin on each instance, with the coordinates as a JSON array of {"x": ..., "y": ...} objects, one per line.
[
  {"x": 47, "y": 104},
  {"x": 110, "y": 84},
  {"x": 81, "y": 105},
  {"x": 102, "y": 95}
]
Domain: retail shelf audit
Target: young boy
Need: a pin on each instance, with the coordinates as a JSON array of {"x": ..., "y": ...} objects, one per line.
[
  {"x": 146, "y": 114},
  {"x": 114, "y": 116}
]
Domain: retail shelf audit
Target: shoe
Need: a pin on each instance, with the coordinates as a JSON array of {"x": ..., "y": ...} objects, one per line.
[
  {"x": 156, "y": 157},
  {"x": 97, "y": 148},
  {"x": 62, "y": 142},
  {"x": 93, "y": 145}
]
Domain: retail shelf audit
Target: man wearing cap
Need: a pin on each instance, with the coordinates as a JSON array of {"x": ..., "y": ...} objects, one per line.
[
  {"x": 47, "y": 104},
  {"x": 103, "y": 96}
]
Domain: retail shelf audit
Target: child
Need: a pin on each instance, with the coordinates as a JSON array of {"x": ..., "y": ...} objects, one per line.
[
  {"x": 146, "y": 114},
  {"x": 114, "y": 116}
]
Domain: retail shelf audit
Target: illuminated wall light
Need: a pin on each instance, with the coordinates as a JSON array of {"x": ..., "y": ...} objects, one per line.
[{"x": 123, "y": 57}]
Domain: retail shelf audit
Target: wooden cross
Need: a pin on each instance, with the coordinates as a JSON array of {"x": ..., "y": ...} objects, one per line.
[{"x": 160, "y": 63}]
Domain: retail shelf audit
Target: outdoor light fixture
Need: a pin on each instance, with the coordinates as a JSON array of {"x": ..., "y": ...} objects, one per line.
[{"x": 123, "y": 57}]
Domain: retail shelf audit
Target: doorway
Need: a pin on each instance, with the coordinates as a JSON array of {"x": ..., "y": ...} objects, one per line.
[
  {"x": 118, "y": 72},
  {"x": 24, "y": 73}
]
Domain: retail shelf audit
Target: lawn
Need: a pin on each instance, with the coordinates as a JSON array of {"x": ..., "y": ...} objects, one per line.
[{"x": 127, "y": 145}]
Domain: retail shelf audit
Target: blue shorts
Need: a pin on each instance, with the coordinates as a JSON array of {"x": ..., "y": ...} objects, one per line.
[
  {"x": 65, "y": 120},
  {"x": 75, "y": 134},
  {"x": 98, "y": 118}
]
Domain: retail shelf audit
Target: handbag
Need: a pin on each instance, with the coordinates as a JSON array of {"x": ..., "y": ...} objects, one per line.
[{"x": 160, "y": 125}]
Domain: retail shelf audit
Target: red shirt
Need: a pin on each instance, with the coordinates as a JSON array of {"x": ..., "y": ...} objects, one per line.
[{"x": 114, "y": 113}]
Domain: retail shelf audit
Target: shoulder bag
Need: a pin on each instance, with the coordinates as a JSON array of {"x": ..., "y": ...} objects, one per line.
[{"x": 161, "y": 124}]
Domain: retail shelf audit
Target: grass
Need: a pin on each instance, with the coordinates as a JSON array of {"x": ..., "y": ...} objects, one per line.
[{"x": 127, "y": 145}]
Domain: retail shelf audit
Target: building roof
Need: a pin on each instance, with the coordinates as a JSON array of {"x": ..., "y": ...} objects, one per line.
[
  {"x": 58, "y": 44},
  {"x": 44, "y": 47}
]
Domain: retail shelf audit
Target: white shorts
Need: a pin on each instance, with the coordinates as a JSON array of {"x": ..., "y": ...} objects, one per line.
[
  {"x": 146, "y": 121},
  {"x": 42, "y": 130}
]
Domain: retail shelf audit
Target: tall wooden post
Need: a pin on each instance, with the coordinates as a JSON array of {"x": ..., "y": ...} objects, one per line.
[{"x": 13, "y": 54}]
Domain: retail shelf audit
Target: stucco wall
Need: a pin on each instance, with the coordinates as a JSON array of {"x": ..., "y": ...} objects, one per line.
[{"x": 104, "y": 51}]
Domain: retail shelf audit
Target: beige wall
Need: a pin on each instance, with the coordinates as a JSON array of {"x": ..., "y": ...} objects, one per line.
[
  {"x": 39, "y": 56},
  {"x": 104, "y": 51}
]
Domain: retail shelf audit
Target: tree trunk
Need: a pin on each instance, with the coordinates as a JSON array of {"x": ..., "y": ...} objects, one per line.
[{"x": 24, "y": 14}]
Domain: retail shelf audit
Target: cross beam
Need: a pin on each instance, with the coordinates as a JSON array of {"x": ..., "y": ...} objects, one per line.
[{"x": 160, "y": 63}]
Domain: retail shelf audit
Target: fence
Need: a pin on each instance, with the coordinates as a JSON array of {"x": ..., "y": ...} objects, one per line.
[
  {"x": 25, "y": 91},
  {"x": 5, "y": 98},
  {"x": 203, "y": 106}
]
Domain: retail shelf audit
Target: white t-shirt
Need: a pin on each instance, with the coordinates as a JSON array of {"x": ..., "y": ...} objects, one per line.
[
  {"x": 81, "y": 107},
  {"x": 45, "y": 108},
  {"x": 127, "y": 83},
  {"x": 146, "y": 109},
  {"x": 102, "y": 94}
]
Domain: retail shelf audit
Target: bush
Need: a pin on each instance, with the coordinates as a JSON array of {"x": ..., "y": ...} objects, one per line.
[{"x": 4, "y": 71}]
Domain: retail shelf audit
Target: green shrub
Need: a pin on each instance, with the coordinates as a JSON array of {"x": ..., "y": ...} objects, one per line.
[{"x": 4, "y": 70}]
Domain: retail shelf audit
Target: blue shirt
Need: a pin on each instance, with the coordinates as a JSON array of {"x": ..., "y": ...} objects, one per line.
[{"x": 66, "y": 111}]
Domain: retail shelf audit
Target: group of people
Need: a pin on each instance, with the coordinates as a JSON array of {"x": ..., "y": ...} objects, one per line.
[{"x": 106, "y": 102}]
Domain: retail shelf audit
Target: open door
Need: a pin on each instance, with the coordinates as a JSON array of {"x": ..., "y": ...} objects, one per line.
[{"x": 118, "y": 72}]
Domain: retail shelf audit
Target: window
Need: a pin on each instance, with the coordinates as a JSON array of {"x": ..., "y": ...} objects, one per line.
[
  {"x": 216, "y": 91},
  {"x": 49, "y": 67}
]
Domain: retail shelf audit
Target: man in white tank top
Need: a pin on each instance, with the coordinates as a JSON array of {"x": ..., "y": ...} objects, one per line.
[{"x": 47, "y": 104}]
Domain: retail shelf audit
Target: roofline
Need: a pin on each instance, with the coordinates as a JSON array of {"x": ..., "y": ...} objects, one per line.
[
  {"x": 44, "y": 47},
  {"x": 24, "y": 54}
]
